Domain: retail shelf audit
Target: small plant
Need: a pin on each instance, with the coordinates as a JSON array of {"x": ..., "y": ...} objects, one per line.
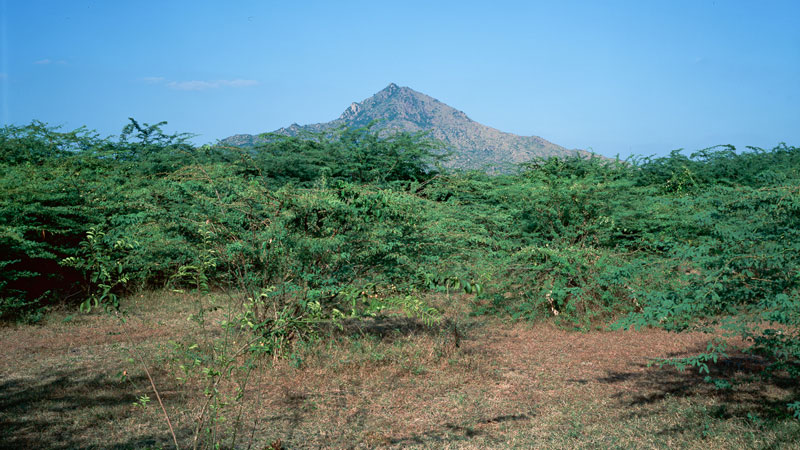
[
  {"x": 142, "y": 401},
  {"x": 794, "y": 407},
  {"x": 101, "y": 264}
]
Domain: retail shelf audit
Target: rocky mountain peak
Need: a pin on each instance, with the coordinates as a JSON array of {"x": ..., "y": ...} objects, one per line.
[
  {"x": 351, "y": 112},
  {"x": 400, "y": 108}
]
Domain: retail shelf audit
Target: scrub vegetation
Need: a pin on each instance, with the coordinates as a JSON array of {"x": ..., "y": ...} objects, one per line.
[{"x": 324, "y": 274}]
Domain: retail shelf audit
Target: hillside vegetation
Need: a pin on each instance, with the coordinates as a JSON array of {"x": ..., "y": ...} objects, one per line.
[
  {"x": 473, "y": 146},
  {"x": 314, "y": 230}
]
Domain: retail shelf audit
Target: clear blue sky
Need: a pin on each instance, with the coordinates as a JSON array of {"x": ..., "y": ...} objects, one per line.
[{"x": 639, "y": 77}]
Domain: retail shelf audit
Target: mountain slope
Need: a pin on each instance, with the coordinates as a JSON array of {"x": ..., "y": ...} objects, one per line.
[{"x": 474, "y": 145}]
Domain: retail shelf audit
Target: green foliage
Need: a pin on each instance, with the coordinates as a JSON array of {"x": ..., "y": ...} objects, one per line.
[
  {"x": 44, "y": 213},
  {"x": 357, "y": 155},
  {"x": 101, "y": 263},
  {"x": 308, "y": 230}
]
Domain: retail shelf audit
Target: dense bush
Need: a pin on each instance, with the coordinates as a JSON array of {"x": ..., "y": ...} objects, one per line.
[
  {"x": 344, "y": 216},
  {"x": 703, "y": 241}
]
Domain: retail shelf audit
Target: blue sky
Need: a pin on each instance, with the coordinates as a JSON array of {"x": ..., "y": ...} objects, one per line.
[{"x": 637, "y": 77}]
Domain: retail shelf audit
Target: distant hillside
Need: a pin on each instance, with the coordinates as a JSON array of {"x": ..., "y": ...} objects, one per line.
[{"x": 474, "y": 145}]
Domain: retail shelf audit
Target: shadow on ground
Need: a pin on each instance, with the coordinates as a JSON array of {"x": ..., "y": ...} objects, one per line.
[
  {"x": 450, "y": 433},
  {"x": 391, "y": 328},
  {"x": 749, "y": 398},
  {"x": 67, "y": 409}
]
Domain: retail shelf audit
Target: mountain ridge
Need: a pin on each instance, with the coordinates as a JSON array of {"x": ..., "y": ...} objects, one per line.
[{"x": 400, "y": 108}]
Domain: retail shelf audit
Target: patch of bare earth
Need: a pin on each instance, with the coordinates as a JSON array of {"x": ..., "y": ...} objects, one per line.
[
  {"x": 391, "y": 384},
  {"x": 505, "y": 386}
]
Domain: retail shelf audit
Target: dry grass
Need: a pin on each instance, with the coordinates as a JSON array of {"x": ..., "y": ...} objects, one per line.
[{"x": 387, "y": 383}]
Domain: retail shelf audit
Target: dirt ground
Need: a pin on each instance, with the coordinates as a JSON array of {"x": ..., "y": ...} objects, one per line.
[{"x": 70, "y": 382}]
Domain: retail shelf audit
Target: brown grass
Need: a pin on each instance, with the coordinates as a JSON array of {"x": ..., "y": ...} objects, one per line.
[{"x": 390, "y": 383}]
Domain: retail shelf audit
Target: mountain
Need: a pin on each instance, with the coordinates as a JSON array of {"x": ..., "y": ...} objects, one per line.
[{"x": 474, "y": 146}]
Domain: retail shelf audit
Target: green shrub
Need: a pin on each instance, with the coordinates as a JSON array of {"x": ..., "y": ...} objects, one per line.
[{"x": 311, "y": 228}]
